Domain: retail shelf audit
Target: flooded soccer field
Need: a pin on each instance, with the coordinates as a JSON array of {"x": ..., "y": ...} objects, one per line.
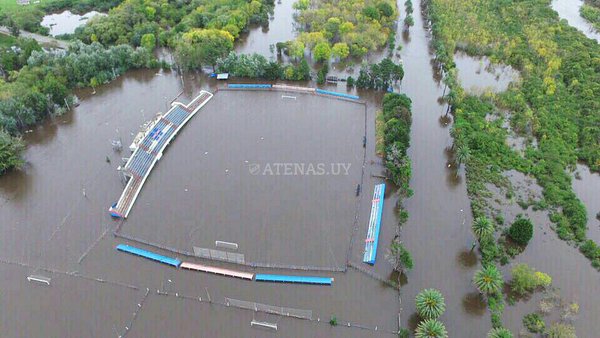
[{"x": 274, "y": 172}]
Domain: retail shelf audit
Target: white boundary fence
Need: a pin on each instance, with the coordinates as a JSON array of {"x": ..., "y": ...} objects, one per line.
[{"x": 277, "y": 310}]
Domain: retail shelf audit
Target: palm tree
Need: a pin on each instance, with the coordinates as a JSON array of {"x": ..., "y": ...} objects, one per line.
[
  {"x": 431, "y": 328},
  {"x": 463, "y": 153},
  {"x": 430, "y": 304},
  {"x": 499, "y": 332},
  {"x": 488, "y": 280},
  {"x": 482, "y": 227}
]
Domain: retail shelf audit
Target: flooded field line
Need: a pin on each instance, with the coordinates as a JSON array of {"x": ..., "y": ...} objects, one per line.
[
  {"x": 248, "y": 264},
  {"x": 291, "y": 90},
  {"x": 87, "y": 251},
  {"x": 69, "y": 274},
  {"x": 139, "y": 307},
  {"x": 226, "y": 304},
  {"x": 374, "y": 275},
  {"x": 354, "y": 230}
]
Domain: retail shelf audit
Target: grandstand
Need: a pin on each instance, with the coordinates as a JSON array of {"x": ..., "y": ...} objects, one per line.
[{"x": 150, "y": 149}]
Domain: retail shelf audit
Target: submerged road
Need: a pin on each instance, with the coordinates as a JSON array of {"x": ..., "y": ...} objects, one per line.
[{"x": 45, "y": 40}]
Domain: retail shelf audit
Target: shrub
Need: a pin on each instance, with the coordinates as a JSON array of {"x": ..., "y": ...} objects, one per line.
[
  {"x": 560, "y": 330},
  {"x": 543, "y": 279},
  {"x": 590, "y": 249},
  {"x": 430, "y": 304},
  {"x": 350, "y": 81},
  {"x": 534, "y": 323},
  {"x": 399, "y": 257},
  {"x": 526, "y": 279},
  {"x": 521, "y": 231},
  {"x": 403, "y": 333},
  {"x": 333, "y": 321}
]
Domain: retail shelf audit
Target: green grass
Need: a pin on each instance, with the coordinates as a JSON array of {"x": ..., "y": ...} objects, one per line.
[
  {"x": 6, "y": 40},
  {"x": 9, "y": 6},
  {"x": 379, "y": 134}
]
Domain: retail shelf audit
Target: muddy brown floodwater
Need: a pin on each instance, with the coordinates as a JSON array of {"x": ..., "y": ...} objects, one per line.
[
  {"x": 66, "y": 22},
  {"x": 477, "y": 75},
  {"x": 55, "y": 223}
]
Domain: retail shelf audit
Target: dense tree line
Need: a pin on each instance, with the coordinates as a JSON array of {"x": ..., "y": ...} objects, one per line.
[
  {"x": 36, "y": 84},
  {"x": 258, "y": 67},
  {"x": 556, "y": 100},
  {"x": 79, "y": 6},
  {"x": 342, "y": 28},
  {"x": 165, "y": 20},
  {"x": 397, "y": 119},
  {"x": 378, "y": 76}
]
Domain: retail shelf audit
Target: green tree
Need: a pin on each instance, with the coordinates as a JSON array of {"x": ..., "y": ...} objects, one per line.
[
  {"x": 148, "y": 41},
  {"x": 332, "y": 27},
  {"x": 409, "y": 21},
  {"x": 322, "y": 51},
  {"x": 10, "y": 152},
  {"x": 301, "y": 5},
  {"x": 302, "y": 72},
  {"x": 430, "y": 304},
  {"x": 521, "y": 231},
  {"x": 203, "y": 47},
  {"x": 431, "y": 328},
  {"x": 340, "y": 50},
  {"x": 499, "y": 332},
  {"x": 296, "y": 49},
  {"x": 385, "y": 9},
  {"x": 399, "y": 257},
  {"x": 488, "y": 280},
  {"x": 482, "y": 227},
  {"x": 371, "y": 12}
]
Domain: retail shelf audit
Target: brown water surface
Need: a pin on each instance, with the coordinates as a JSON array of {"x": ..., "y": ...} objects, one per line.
[{"x": 53, "y": 215}]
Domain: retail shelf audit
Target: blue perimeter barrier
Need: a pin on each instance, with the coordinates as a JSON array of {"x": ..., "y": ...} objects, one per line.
[
  {"x": 346, "y": 96},
  {"x": 150, "y": 255},
  {"x": 293, "y": 279},
  {"x": 248, "y": 85},
  {"x": 374, "y": 221}
]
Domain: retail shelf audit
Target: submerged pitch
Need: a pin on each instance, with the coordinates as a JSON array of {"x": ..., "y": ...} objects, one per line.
[{"x": 274, "y": 172}]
